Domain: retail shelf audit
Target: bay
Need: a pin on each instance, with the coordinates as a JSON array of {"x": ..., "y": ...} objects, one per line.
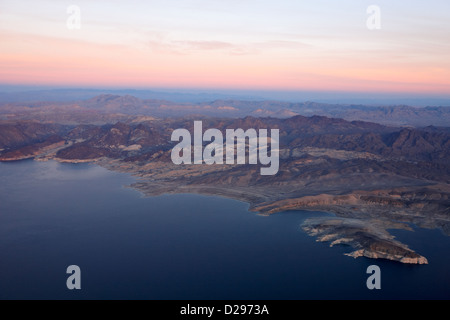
[{"x": 183, "y": 246}]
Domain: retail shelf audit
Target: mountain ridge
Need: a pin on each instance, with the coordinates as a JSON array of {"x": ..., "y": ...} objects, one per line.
[{"x": 125, "y": 106}]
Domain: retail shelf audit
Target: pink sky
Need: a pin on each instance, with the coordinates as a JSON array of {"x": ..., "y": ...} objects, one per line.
[{"x": 338, "y": 55}]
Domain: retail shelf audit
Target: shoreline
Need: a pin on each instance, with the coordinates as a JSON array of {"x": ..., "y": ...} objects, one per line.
[{"x": 263, "y": 202}]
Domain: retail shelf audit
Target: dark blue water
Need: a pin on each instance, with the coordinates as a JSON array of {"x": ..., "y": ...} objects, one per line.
[{"x": 54, "y": 215}]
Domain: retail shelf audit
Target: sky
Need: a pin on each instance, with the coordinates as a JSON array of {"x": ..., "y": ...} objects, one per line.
[{"x": 323, "y": 45}]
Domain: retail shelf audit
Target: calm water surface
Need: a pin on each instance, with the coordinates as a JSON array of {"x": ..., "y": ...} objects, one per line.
[{"x": 53, "y": 215}]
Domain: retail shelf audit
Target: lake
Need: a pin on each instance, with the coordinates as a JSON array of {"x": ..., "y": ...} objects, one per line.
[{"x": 185, "y": 246}]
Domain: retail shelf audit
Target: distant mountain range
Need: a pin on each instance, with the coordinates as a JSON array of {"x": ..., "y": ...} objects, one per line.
[
  {"x": 10, "y": 94},
  {"x": 107, "y": 107}
]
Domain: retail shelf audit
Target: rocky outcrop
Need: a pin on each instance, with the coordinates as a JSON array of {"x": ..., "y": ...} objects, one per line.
[
  {"x": 392, "y": 256},
  {"x": 51, "y": 144},
  {"x": 369, "y": 238}
]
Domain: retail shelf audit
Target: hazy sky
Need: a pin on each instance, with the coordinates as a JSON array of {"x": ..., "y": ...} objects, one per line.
[{"x": 245, "y": 44}]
